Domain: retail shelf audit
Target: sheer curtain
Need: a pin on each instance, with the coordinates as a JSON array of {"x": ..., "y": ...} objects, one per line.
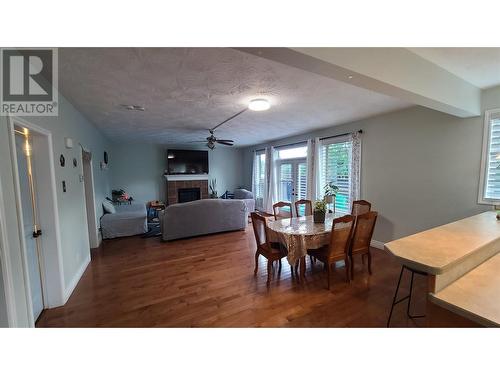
[
  {"x": 318, "y": 171},
  {"x": 314, "y": 188},
  {"x": 355, "y": 167},
  {"x": 254, "y": 174},
  {"x": 272, "y": 190},
  {"x": 311, "y": 181}
]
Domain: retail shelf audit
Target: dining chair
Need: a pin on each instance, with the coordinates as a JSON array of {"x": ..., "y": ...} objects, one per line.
[
  {"x": 338, "y": 248},
  {"x": 282, "y": 210},
  {"x": 272, "y": 251},
  {"x": 307, "y": 207},
  {"x": 360, "y": 207},
  {"x": 361, "y": 238}
]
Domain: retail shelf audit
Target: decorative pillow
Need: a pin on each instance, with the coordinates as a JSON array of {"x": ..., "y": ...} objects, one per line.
[{"x": 108, "y": 207}]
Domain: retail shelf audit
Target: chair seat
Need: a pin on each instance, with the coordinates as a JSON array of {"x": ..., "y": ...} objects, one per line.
[
  {"x": 322, "y": 255},
  {"x": 276, "y": 250}
]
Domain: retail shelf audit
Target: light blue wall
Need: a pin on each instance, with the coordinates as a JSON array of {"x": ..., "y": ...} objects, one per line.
[
  {"x": 3, "y": 305},
  {"x": 71, "y": 205},
  {"x": 139, "y": 168},
  {"x": 420, "y": 168}
]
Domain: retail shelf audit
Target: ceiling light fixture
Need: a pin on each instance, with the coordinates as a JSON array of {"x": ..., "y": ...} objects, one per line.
[
  {"x": 259, "y": 105},
  {"x": 132, "y": 107}
]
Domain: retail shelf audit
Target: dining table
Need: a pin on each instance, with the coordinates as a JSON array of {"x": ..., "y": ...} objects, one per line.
[{"x": 299, "y": 234}]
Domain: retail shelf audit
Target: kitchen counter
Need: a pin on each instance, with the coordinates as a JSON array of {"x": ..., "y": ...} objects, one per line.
[
  {"x": 437, "y": 250},
  {"x": 476, "y": 295}
]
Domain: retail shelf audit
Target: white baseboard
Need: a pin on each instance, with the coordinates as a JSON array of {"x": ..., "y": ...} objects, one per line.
[
  {"x": 74, "y": 282},
  {"x": 377, "y": 244}
]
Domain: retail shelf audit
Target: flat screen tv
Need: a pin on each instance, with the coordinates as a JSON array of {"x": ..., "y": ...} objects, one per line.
[{"x": 187, "y": 162}]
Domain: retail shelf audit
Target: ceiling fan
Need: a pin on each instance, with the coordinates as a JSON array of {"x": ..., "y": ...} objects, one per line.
[{"x": 212, "y": 140}]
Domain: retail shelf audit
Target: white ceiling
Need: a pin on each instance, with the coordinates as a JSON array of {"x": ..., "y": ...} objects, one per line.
[
  {"x": 479, "y": 66},
  {"x": 188, "y": 90}
]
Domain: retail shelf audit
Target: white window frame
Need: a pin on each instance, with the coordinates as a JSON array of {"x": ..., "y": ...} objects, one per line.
[
  {"x": 485, "y": 157},
  {"x": 330, "y": 141}
]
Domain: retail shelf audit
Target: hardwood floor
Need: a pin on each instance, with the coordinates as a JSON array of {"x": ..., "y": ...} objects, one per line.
[{"x": 208, "y": 282}]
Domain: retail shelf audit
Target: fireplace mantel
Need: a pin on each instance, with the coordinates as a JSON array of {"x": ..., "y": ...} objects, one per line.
[{"x": 185, "y": 177}]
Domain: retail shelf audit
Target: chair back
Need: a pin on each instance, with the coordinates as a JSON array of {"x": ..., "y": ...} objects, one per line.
[
  {"x": 363, "y": 232},
  {"x": 259, "y": 229},
  {"x": 307, "y": 207},
  {"x": 360, "y": 207},
  {"x": 340, "y": 237},
  {"x": 282, "y": 210}
]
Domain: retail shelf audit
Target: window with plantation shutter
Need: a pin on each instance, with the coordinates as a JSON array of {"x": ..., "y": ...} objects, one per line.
[
  {"x": 489, "y": 186},
  {"x": 335, "y": 164}
]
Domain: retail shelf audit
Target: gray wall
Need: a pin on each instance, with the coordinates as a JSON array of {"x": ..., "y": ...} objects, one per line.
[
  {"x": 420, "y": 168},
  {"x": 71, "y": 205},
  {"x": 139, "y": 168}
]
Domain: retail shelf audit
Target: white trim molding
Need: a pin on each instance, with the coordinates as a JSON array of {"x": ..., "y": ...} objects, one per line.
[
  {"x": 74, "y": 281},
  {"x": 485, "y": 157},
  {"x": 377, "y": 244}
]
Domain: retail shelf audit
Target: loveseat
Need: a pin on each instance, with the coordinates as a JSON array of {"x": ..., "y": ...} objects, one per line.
[{"x": 124, "y": 220}]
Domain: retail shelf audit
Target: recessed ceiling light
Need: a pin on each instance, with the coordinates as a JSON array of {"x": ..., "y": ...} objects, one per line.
[{"x": 259, "y": 105}]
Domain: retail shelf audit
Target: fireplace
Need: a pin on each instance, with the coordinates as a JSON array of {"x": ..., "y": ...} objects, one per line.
[
  {"x": 176, "y": 184},
  {"x": 188, "y": 194}
]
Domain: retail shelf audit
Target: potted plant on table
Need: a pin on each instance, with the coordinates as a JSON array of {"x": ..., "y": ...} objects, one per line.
[
  {"x": 331, "y": 191},
  {"x": 319, "y": 211}
]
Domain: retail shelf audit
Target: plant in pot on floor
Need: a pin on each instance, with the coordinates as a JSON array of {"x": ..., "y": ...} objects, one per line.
[
  {"x": 319, "y": 211},
  {"x": 213, "y": 188},
  {"x": 331, "y": 191}
]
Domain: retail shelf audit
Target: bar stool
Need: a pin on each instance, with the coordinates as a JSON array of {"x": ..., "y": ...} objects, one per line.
[{"x": 408, "y": 297}]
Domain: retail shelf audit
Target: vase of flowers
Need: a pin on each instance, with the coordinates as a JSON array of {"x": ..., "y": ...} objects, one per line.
[
  {"x": 213, "y": 188},
  {"x": 319, "y": 211}
]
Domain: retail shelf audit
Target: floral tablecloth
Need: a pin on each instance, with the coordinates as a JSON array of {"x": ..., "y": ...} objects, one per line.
[{"x": 301, "y": 233}]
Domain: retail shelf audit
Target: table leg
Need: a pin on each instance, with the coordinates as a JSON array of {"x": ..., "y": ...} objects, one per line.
[{"x": 302, "y": 267}]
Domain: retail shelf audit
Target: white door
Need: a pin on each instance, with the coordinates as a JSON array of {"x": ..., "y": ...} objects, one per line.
[
  {"x": 292, "y": 181},
  {"x": 30, "y": 219}
]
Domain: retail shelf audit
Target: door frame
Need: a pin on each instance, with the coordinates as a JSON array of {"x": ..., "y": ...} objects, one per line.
[
  {"x": 294, "y": 162},
  {"x": 92, "y": 222},
  {"x": 8, "y": 283},
  {"x": 50, "y": 242}
]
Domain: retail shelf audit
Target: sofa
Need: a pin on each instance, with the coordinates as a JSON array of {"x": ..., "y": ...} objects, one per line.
[
  {"x": 124, "y": 220},
  {"x": 201, "y": 217},
  {"x": 247, "y": 197}
]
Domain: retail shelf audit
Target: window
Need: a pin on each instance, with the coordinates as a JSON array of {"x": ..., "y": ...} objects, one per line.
[
  {"x": 259, "y": 183},
  {"x": 489, "y": 187},
  {"x": 292, "y": 173},
  {"x": 335, "y": 167},
  {"x": 292, "y": 153}
]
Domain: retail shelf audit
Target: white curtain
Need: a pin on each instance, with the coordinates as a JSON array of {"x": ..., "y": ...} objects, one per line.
[
  {"x": 272, "y": 190},
  {"x": 318, "y": 170},
  {"x": 355, "y": 167},
  {"x": 311, "y": 180},
  {"x": 254, "y": 174}
]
